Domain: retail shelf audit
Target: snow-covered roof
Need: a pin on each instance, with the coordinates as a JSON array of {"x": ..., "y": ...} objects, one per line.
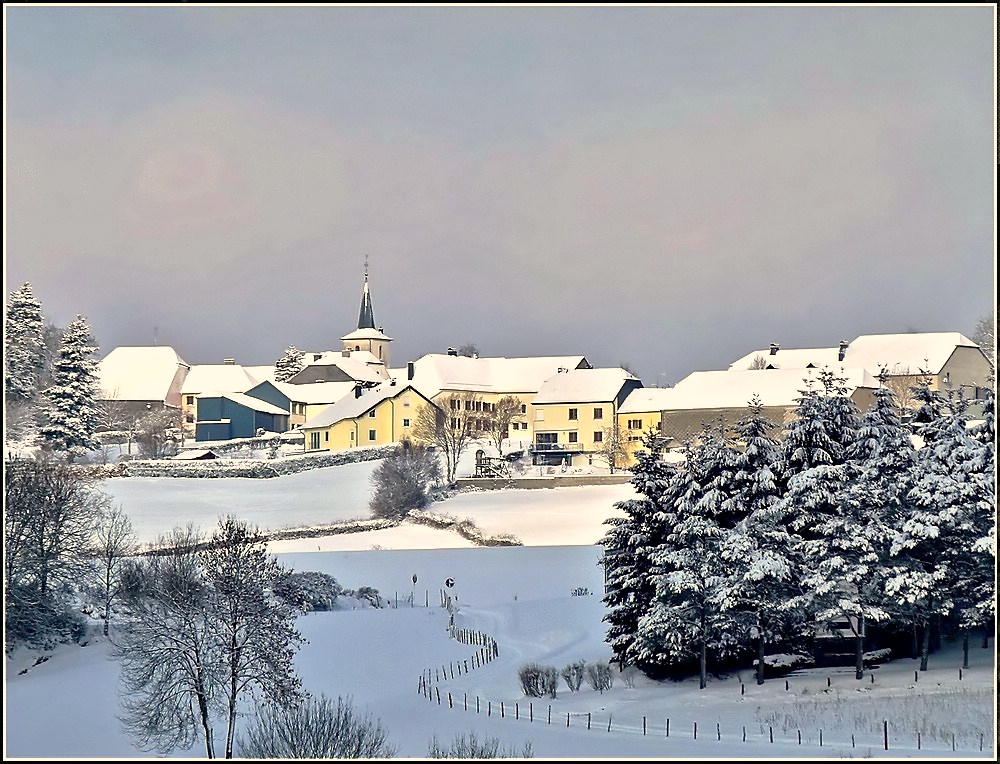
[
  {"x": 734, "y": 389},
  {"x": 361, "y": 365},
  {"x": 435, "y": 372},
  {"x": 139, "y": 373},
  {"x": 793, "y": 358},
  {"x": 196, "y": 453},
  {"x": 351, "y": 407},
  {"x": 260, "y": 373},
  {"x": 365, "y": 334},
  {"x": 907, "y": 353},
  {"x": 315, "y": 392},
  {"x": 646, "y": 399},
  {"x": 582, "y": 386},
  {"x": 221, "y": 378},
  {"x": 254, "y": 404}
]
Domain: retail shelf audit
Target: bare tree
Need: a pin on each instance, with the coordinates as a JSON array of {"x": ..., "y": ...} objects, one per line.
[
  {"x": 114, "y": 541},
  {"x": 500, "y": 417},
  {"x": 402, "y": 480},
  {"x": 985, "y": 336},
  {"x": 450, "y": 426},
  {"x": 254, "y": 629},
  {"x": 315, "y": 729},
  {"x": 471, "y": 747},
  {"x": 168, "y": 649},
  {"x": 154, "y": 433},
  {"x": 613, "y": 448},
  {"x": 758, "y": 362}
]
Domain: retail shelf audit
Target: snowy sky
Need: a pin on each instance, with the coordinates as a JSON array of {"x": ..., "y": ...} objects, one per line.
[{"x": 665, "y": 186}]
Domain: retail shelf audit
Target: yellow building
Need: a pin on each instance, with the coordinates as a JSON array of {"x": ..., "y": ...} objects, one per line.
[
  {"x": 641, "y": 412},
  {"x": 371, "y": 417},
  {"x": 575, "y": 413}
]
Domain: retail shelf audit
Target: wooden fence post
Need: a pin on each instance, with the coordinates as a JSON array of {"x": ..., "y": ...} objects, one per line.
[
  {"x": 885, "y": 733},
  {"x": 696, "y": 730},
  {"x": 668, "y": 727},
  {"x": 609, "y": 722}
]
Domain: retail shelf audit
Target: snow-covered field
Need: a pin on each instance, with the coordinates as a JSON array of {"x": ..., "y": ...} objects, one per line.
[{"x": 524, "y": 598}]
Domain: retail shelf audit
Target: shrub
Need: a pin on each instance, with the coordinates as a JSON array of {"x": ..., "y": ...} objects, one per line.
[
  {"x": 309, "y": 590},
  {"x": 599, "y": 676},
  {"x": 573, "y": 674},
  {"x": 402, "y": 481},
  {"x": 628, "y": 675},
  {"x": 470, "y": 747},
  {"x": 314, "y": 729},
  {"x": 538, "y": 681}
]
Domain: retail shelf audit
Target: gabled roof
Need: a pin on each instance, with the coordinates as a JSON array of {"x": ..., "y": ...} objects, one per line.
[
  {"x": 260, "y": 373},
  {"x": 360, "y": 365},
  {"x": 248, "y": 401},
  {"x": 734, "y": 389},
  {"x": 583, "y": 386},
  {"x": 645, "y": 400},
  {"x": 908, "y": 353},
  {"x": 352, "y": 407},
  {"x": 139, "y": 373},
  {"x": 365, "y": 334},
  {"x": 315, "y": 392},
  {"x": 435, "y": 372},
  {"x": 222, "y": 377}
]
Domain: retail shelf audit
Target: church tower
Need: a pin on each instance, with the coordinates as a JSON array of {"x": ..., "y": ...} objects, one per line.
[{"x": 368, "y": 336}]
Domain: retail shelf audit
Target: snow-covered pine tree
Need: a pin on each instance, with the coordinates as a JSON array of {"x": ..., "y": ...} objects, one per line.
[
  {"x": 817, "y": 470},
  {"x": 757, "y": 550},
  {"x": 691, "y": 576},
  {"x": 290, "y": 364},
  {"x": 847, "y": 580},
  {"x": 71, "y": 411},
  {"x": 937, "y": 548},
  {"x": 24, "y": 345},
  {"x": 628, "y": 544}
]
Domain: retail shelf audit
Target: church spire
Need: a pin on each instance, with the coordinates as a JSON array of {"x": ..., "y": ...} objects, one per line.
[{"x": 366, "y": 318}]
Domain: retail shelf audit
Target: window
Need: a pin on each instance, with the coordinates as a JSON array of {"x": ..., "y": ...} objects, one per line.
[
  {"x": 326, "y": 436},
  {"x": 572, "y": 414},
  {"x": 598, "y": 413},
  {"x": 635, "y": 424},
  {"x": 352, "y": 434},
  {"x": 598, "y": 437},
  {"x": 572, "y": 437},
  {"x": 406, "y": 423},
  {"x": 371, "y": 414},
  {"x": 524, "y": 408},
  {"x": 371, "y": 435},
  {"x": 314, "y": 440},
  {"x": 546, "y": 437},
  {"x": 190, "y": 400}
]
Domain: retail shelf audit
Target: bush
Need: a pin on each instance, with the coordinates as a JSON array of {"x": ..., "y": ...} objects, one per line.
[
  {"x": 39, "y": 621},
  {"x": 573, "y": 674},
  {"x": 314, "y": 729},
  {"x": 538, "y": 681},
  {"x": 628, "y": 675},
  {"x": 470, "y": 747},
  {"x": 309, "y": 590},
  {"x": 599, "y": 676},
  {"x": 402, "y": 481}
]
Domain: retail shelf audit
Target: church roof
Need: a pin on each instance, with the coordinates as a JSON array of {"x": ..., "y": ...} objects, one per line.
[{"x": 366, "y": 318}]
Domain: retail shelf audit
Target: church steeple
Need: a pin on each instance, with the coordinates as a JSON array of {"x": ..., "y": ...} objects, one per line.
[{"x": 366, "y": 318}]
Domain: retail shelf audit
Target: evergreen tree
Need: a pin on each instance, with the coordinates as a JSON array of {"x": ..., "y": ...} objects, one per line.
[
  {"x": 72, "y": 413},
  {"x": 757, "y": 550},
  {"x": 818, "y": 470},
  {"x": 942, "y": 540},
  {"x": 290, "y": 364},
  {"x": 628, "y": 545},
  {"x": 24, "y": 345}
]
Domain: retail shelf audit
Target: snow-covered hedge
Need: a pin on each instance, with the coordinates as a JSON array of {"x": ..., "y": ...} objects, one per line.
[
  {"x": 252, "y": 468},
  {"x": 464, "y": 528}
]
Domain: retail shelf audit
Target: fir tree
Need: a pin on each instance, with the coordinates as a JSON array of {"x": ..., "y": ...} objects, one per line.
[
  {"x": 628, "y": 545},
  {"x": 24, "y": 345},
  {"x": 72, "y": 412},
  {"x": 757, "y": 550},
  {"x": 942, "y": 541},
  {"x": 290, "y": 364}
]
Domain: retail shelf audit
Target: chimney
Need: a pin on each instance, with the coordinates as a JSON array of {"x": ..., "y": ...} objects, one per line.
[
  {"x": 229, "y": 361},
  {"x": 774, "y": 348},
  {"x": 452, "y": 351},
  {"x": 843, "y": 350},
  {"x": 409, "y": 370},
  {"x": 345, "y": 353},
  {"x": 357, "y": 389}
]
